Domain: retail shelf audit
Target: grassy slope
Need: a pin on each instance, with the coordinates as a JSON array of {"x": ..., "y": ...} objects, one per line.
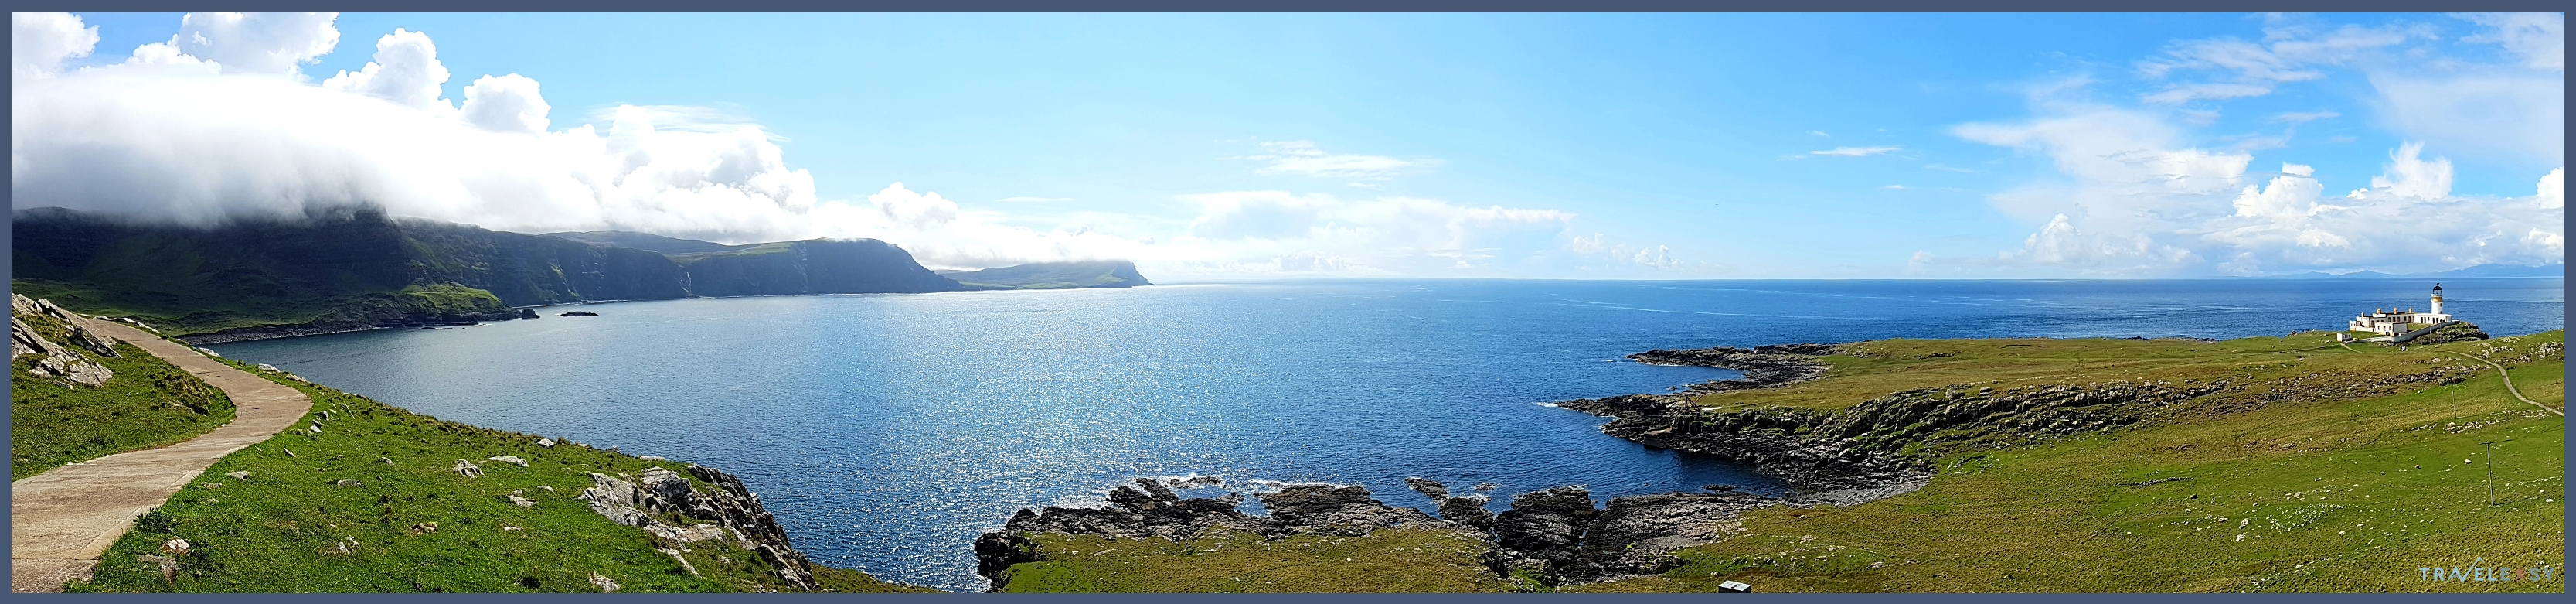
[
  {"x": 182, "y": 312},
  {"x": 1391, "y": 560},
  {"x": 148, "y": 404},
  {"x": 277, "y": 531},
  {"x": 2327, "y": 495},
  {"x": 1885, "y": 366}
]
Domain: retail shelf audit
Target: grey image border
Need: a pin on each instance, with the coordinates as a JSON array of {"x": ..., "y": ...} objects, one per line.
[{"x": 1893, "y": 6}]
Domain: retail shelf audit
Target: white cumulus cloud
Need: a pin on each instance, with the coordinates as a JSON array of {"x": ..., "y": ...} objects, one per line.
[
  {"x": 40, "y": 42},
  {"x": 405, "y": 70},
  {"x": 213, "y": 126},
  {"x": 278, "y": 43}
]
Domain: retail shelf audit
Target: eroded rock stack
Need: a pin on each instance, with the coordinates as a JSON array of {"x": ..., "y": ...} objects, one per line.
[{"x": 725, "y": 503}]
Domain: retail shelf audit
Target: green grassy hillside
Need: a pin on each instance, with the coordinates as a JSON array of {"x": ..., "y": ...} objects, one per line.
[
  {"x": 1385, "y": 561},
  {"x": 148, "y": 404},
  {"x": 378, "y": 481},
  {"x": 2306, "y": 491}
]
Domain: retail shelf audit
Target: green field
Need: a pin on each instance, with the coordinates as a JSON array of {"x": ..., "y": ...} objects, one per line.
[
  {"x": 282, "y": 529},
  {"x": 148, "y": 404},
  {"x": 1389, "y": 560},
  {"x": 2289, "y": 486}
]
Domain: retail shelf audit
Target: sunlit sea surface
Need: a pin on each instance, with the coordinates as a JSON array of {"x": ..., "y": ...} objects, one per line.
[{"x": 887, "y": 431}]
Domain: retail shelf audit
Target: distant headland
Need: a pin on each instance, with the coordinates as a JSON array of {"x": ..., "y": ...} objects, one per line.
[{"x": 357, "y": 269}]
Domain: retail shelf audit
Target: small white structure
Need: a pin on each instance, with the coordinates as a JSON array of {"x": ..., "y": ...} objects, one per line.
[{"x": 2385, "y": 322}]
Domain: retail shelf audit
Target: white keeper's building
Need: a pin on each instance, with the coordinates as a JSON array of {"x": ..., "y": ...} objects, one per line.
[{"x": 2385, "y": 322}]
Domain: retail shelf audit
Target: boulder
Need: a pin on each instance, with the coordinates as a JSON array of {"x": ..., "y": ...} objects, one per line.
[
  {"x": 1545, "y": 525},
  {"x": 1468, "y": 510},
  {"x": 726, "y": 503}
]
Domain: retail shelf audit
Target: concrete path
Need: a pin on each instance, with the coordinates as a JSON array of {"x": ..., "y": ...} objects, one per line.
[
  {"x": 62, "y": 520},
  {"x": 2508, "y": 385}
]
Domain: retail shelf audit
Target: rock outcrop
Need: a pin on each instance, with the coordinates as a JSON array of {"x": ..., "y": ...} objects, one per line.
[
  {"x": 55, "y": 360},
  {"x": 724, "y": 507},
  {"x": 1763, "y": 366}
]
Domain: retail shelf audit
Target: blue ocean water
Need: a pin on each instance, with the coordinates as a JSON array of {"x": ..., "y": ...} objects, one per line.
[{"x": 887, "y": 431}]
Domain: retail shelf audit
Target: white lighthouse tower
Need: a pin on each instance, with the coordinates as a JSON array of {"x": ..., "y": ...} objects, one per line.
[{"x": 2437, "y": 300}]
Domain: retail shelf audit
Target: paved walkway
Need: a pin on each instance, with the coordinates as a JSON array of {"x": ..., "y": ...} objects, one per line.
[{"x": 62, "y": 520}]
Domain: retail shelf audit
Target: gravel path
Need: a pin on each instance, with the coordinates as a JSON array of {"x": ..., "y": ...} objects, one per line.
[{"x": 2508, "y": 385}]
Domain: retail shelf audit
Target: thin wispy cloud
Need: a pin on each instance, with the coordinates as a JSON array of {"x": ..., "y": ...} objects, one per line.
[
  {"x": 1855, "y": 151},
  {"x": 2302, "y": 117},
  {"x": 1033, "y": 199},
  {"x": 2289, "y": 53},
  {"x": 1303, "y": 158},
  {"x": 1818, "y": 133}
]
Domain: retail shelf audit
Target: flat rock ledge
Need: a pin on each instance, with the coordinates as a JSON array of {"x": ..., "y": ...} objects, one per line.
[{"x": 725, "y": 509}]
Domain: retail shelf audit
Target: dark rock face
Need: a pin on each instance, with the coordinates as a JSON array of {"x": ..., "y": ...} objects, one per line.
[
  {"x": 1468, "y": 510},
  {"x": 725, "y": 502},
  {"x": 1543, "y": 526},
  {"x": 1428, "y": 488}
]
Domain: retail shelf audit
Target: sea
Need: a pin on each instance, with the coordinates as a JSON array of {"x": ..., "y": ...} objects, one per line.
[{"x": 887, "y": 431}]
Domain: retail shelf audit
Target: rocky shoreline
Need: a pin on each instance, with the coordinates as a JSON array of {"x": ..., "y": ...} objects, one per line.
[
  {"x": 1547, "y": 537},
  {"x": 1820, "y": 471}
]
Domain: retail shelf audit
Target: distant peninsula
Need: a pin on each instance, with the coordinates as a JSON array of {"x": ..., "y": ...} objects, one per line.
[
  {"x": 1053, "y": 275},
  {"x": 352, "y": 269}
]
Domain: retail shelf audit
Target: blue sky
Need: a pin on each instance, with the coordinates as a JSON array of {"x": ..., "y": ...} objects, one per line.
[{"x": 1600, "y": 146}]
